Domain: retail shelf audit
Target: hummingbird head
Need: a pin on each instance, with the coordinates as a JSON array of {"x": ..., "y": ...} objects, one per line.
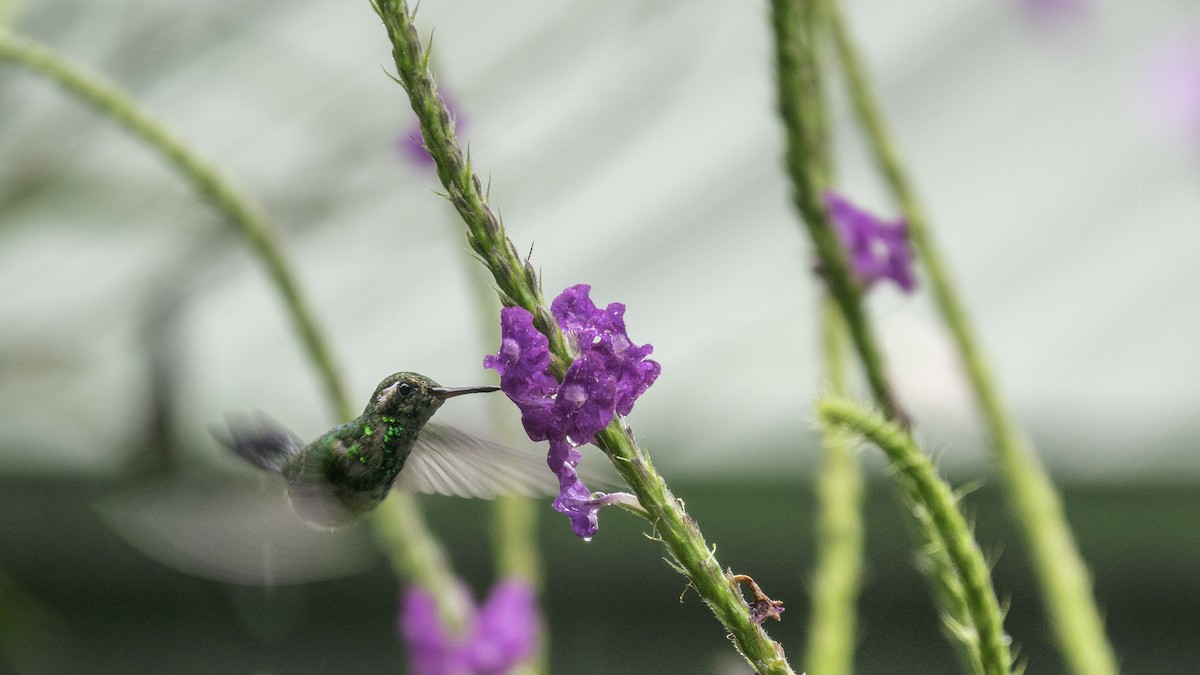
[{"x": 414, "y": 397}]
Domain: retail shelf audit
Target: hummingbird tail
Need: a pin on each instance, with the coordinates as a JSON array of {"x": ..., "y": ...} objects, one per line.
[{"x": 262, "y": 442}]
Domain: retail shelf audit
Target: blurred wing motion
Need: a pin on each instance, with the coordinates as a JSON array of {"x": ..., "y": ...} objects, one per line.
[
  {"x": 447, "y": 461},
  {"x": 259, "y": 440},
  {"x": 269, "y": 530},
  {"x": 227, "y": 528}
]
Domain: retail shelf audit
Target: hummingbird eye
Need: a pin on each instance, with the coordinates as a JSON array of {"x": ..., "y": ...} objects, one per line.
[{"x": 405, "y": 389}]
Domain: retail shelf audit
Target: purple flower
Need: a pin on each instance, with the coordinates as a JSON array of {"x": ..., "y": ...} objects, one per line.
[
  {"x": 498, "y": 635},
  {"x": 606, "y": 378},
  {"x": 878, "y": 249}
]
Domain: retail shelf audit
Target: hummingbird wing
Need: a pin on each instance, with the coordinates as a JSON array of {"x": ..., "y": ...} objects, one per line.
[
  {"x": 260, "y": 440},
  {"x": 448, "y": 461},
  {"x": 233, "y": 528}
]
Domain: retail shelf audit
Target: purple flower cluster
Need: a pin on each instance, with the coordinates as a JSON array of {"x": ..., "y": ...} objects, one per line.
[
  {"x": 500, "y": 634},
  {"x": 878, "y": 249},
  {"x": 608, "y": 376}
]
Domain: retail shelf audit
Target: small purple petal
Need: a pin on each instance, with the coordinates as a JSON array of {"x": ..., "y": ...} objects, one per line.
[
  {"x": 497, "y": 636},
  {"x": 633, "y": 375},
  {"x": 561, "y": 454},
  {"x": 877, "y": 249},
  {"x": 573, "y": 309},
  {"x": 431, "y": 650},
  {"x": 506, "y": 629},
  {"x": 524, "y": 351},
  {"x": 581, "y": 320},
  {"x": 584, "y": 518},
  {"x": 573, "y": 497}
]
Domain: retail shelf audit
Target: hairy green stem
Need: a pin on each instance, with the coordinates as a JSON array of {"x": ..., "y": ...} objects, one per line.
[
  {"x": 517, "y": 284},
  {"x": 1065, "y": 581},
  {"x": 692, "y": 555},
  {"x": 414, "y": 551},
  {"x": 949, "y": 595},
  {"x": 838, "y": 573},
  {"x": 816, "y": 104},
  {"x": 919, "y": 479},
  {"x": 517, "y": 281},
  {"x": 800, "y": 106}
]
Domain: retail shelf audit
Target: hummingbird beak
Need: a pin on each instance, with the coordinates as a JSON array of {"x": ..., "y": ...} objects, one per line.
[{"x": 443, "y": 393}]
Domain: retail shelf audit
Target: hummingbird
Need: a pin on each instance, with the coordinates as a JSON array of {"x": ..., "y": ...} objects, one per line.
[{"x": 347, "y": 471}]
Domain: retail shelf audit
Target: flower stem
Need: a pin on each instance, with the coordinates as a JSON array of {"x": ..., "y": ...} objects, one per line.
[
  {"x": 920, "y": 481},
  {"x": 949, "y": 595},
  {"x": 517, "y": 284},
  {"x": 1064, "y": 577},
  {"x": 801, "y": 107},
  {"x": 414, "y": 551},
  {"x": 517, "y": 281},
  {"x": 692, "y": 555},
  {"x": 514, "y": 540},
  {"x": 838, "y": 570},
  {"x": 839, "y": 546}
]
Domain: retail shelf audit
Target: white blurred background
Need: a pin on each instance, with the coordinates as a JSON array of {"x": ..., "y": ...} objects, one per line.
[{"x": 635, "y": 147}]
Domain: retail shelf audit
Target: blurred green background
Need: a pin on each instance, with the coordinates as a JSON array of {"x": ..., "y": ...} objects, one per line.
[
  {"x": 84, "y": 601},
  {"x": 634, "y": 147}
]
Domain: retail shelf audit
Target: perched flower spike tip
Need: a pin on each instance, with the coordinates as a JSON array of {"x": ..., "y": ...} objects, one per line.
[
  {"x": 607, "y": 377},
  {"x": 878, "y": 249},
  {"x": 498, "y": 635}
]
